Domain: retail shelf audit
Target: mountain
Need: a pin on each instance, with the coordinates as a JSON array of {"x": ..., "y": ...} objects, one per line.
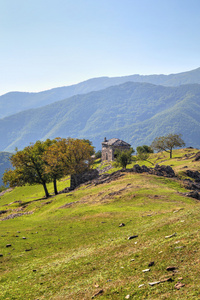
[
  {"x": 14, "y": 102},
  {"x": 4, "y": 164},
  {"x": 134, "y": 112}
]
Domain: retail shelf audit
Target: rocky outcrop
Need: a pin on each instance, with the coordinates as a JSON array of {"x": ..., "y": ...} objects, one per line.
[
  {"x": 197, "y": 156},
  {"x": 193, "y": 174},
  {"x": 193, "y": 184},
  {"x": 165, "y": 171}
]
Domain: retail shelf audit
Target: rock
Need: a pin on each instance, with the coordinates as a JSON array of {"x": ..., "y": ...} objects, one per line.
[
  {"x": 179, "y": 285},
  {"x": 170, "y": 236},
  {"x": 165, "y": 171},
  {"x": 127, "y": 297},
  {"x": 171, "y": 268},
  {"x": 154, "y": 283},
  {"x": 132, "y": 237},
  {"x": 146, "y": 270},
  {"x": 193, "y": 194},
  {"x": 167, "y": 279},
  {"x": 197, "y": 156},
  {"x": 8, "y": 245},
  {"x": 193, "y": 174},
  {"x": 121, "y": 225},
  {"x": 100, "y": 292},
  {"x": 141, "y": 285},
  {"x": 24, "y": 238},
  {"x": 137, "y": 169},
  {"x": 132, "y": 259},
  {"x": 151, "y": 264}
]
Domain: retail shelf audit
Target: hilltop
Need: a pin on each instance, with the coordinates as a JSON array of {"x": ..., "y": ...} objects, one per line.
[{"x": 72, "y": 247}]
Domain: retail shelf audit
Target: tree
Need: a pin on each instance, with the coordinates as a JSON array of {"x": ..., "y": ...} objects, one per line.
[
  {"x": 143, "y": 153},
  {"x": 67, "y": 157},
  {"x": 90, "y": 143},
  {"x": 144, "y": 149},
  {"x": 123, "y": 158},
  {"x": 29, "y": 167},
  {"x": 78, "y": 157},
  {"x": 167, "y": 143},
  {"x": 54, "y": 158}
]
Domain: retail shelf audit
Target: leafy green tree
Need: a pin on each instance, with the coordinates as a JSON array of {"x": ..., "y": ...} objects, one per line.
[
  {"x": 167, "y": 143},
  {"x": 90, "y": 143},
  {"x": 143, "y": 153},
  {"x": 123, "y": 158},
  {"x": 67, "y": 157},
  {"x": 54, "y": 158},
  {"x": 30, "y": 167},
  {"x": 144, "y": 149}
]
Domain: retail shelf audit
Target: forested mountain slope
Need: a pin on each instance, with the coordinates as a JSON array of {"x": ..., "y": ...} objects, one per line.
[
  {"x": 135, "y": 112},
  {"x": 14, "y": 102},
  {"x": 4, "y": 164}
]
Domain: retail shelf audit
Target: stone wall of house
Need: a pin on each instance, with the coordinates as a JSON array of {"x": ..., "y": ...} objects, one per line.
[{"x": 108, "y": 152}]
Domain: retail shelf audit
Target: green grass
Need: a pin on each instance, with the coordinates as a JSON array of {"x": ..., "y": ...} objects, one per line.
[{"x": 77, "y": 250}]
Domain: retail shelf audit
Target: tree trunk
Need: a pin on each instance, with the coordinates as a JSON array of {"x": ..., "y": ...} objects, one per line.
[
  {"x": 45, "y": 189},
  {"x": 55, "y": 187},
  {"x": 170, "y": 153}
]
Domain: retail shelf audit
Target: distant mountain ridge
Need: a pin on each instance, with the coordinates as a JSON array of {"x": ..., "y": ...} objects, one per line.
[
  {"x": 134, "y": 112},
  {"x": 15, "y": 102}
]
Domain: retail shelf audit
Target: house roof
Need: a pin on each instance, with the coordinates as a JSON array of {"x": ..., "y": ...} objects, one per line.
[{"x": 115, "y": 142}]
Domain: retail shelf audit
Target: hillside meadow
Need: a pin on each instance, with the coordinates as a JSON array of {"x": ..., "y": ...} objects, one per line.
[{"x": 71, "y": 246}]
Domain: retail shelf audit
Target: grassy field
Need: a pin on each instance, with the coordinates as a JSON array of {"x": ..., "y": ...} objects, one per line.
[{"x": 71, "y": 246}]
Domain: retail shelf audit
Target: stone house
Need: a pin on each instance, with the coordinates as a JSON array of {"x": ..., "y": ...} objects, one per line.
[{"x": 109, "y": 147}]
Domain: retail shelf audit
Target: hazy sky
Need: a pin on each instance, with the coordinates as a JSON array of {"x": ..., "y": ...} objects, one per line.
[{"x": 51, "y": 43}]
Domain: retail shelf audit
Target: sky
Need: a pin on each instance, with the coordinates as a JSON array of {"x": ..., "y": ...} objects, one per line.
[{"x": 52, "y": 43}]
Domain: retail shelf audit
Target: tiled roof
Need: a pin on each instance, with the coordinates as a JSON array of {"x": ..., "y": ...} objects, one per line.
[{"x": 115, "y": 142}]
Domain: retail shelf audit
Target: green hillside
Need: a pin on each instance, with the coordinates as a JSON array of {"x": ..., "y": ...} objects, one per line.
[
  {"x": 134, "y": 112},
  {"x": 14, "y": 102},
  {"x": 72, "y": 247}
]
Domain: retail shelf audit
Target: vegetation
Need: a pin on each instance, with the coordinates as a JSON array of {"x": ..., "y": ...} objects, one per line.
[
  {"x": 167, "y": 143},
  {"x": 123, "y": 158},
  {"x": 143, "y": 153},
  {"x": 144, "y": 149},
  {"x": 144, "y": 113},
  {"x": 4, "y": 164},
  {"x": 98, "y": 154},
  {"x": 48, "y": 161},
  {"x": 34, "y": 100},
  {"x": 71, "y": 246}
]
